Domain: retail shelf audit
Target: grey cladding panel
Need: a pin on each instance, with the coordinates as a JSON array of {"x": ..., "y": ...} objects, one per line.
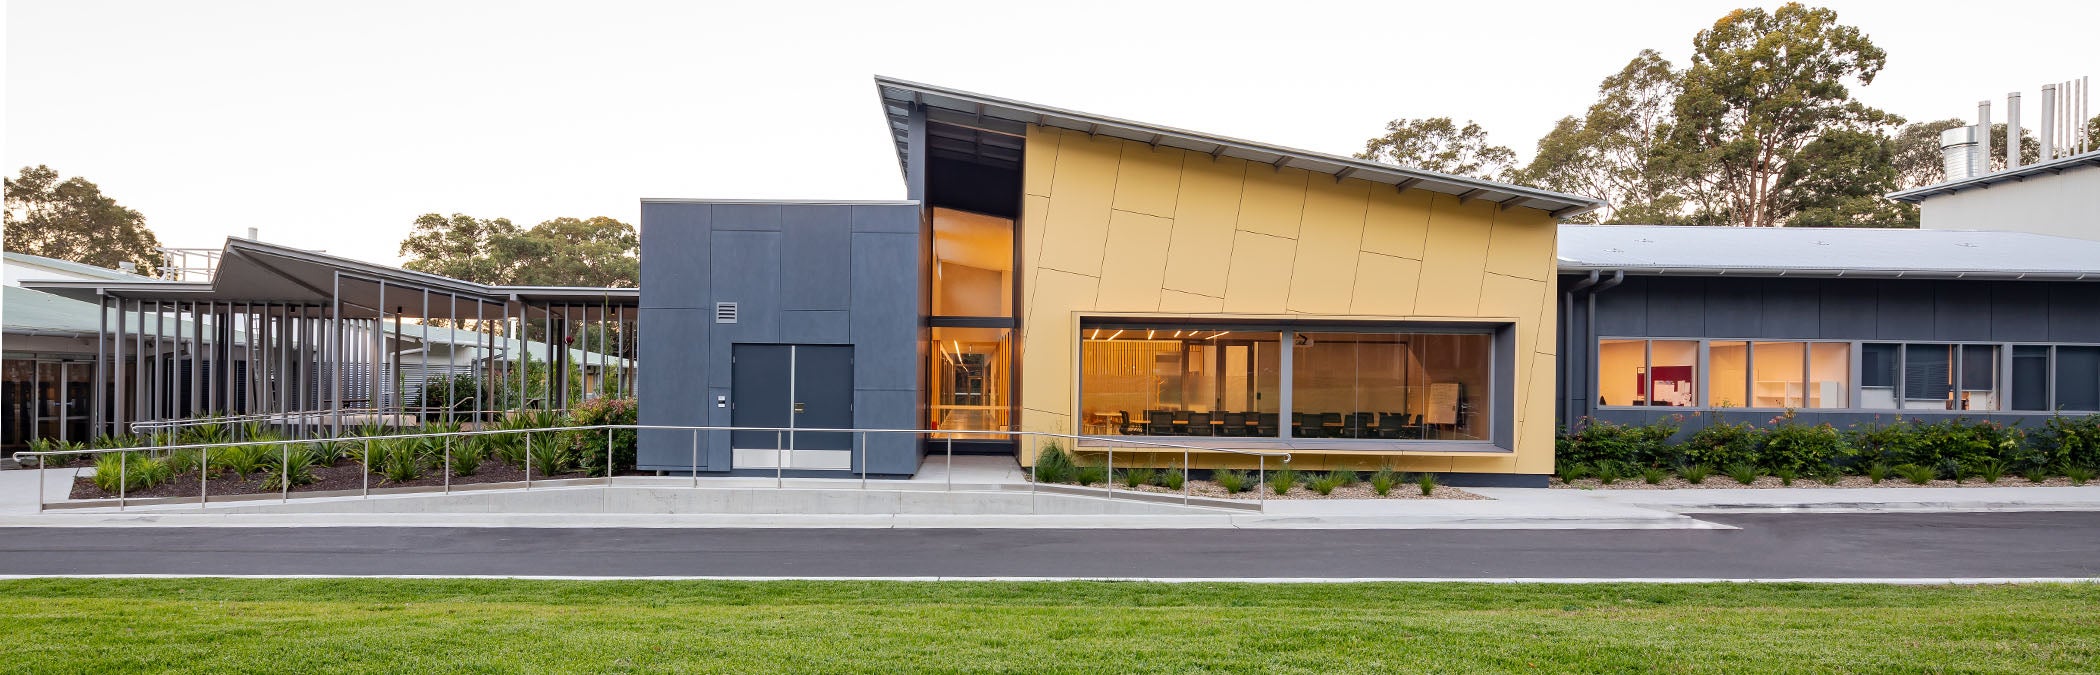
[
  {"x": 1622, "y": 310},
  {"x": 1847, "y": 310},
  {"x": 763, "y": 217},
  {"x": 1676, "y": 307},
  {"x": 674, "y": 252},
  {"x": 746, "y": 272},
  {"x": 888, "y": 409},
  {"x": 1735, "y": 308},
  {"x": 2074, "y": 312},
  {"x": 2019, "y": 311},
  {"x": 1961, "y": 310},
  {"x": 1791, "y": 309},
  {"x": 816, "y": 263},
  {"x": 885, "y": 316},
  {"x": 1904, "y": 312},
  {"x": 890, "y": 218},
  {"x": 674, "y": 345},
  {"x": 813, "y": 327}
]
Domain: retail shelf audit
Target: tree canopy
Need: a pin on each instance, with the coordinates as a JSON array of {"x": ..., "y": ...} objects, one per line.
[
  {"x": 73, "y": 220},
  {"x": 596, "y": 251},
  {"x": 1438, "y": 144}
]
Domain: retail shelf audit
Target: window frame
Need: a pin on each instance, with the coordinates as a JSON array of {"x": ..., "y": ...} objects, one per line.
[
  {"x": 2001, "y": 383},
  {"x": 1501, "y": 396}
]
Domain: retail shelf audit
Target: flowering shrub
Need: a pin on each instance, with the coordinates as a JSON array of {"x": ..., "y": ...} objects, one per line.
[
  {"x": 1794, "y": 447},
  {"x": 1596, "y": 442},
  {"x": 1952, "y": 447},
  {"x": 589, "y": 446}
]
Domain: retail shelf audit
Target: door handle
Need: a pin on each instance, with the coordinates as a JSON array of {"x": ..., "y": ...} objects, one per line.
[{"x": 798, "y": 407}]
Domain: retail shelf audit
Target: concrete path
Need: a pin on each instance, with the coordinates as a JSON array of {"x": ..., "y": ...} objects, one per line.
[{"x": 1877, "y": 547}]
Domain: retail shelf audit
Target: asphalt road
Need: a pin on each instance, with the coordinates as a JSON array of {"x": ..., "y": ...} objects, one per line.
[{"x": 1767, "y": 546}]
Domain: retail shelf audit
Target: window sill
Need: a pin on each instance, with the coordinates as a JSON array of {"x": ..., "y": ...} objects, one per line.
[{"x": 1302, "y": 444}]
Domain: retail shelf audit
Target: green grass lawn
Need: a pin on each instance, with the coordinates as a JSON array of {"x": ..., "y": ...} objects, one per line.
[{"x": 220, "y": 625}]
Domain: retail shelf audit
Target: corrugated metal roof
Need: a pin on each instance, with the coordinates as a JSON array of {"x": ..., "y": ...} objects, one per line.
[
  {"x": 1009, "y": 117},
  {"x": 70, "y": 267},
  {"x": 1826, "y": 252},
  {"x": 2052, "y": 167}
]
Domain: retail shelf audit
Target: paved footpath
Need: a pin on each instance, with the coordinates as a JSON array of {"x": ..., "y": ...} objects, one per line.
[{"x": 1908, "y": 546}]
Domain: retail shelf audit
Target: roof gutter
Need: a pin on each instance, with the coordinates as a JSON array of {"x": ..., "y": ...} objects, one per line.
[
  {"x": 1589, "y": 338},
  {"x": 1567, "y": 338}
]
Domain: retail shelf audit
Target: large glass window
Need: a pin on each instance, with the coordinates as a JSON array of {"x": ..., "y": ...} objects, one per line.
[
  {"x": 968, "y": 382},
  {"x": 2078, "y": 378},
  {"x": 973, "y": 263},
  {"x": 1647, "y": 372},
  {"x": 1829, "y": 374},
  {"x": 1183, "y": 381},
  {"x": 1777, "y": 380},
  {"x": 1928, "y": 377},
  {"x": 1222, "y": 381},
  {"x": 2030, "y": 377},
  {"x": 1880, "y": 369},
  {"x": 1730, "y": 363},
  {"x": 1979, "y": 377}
]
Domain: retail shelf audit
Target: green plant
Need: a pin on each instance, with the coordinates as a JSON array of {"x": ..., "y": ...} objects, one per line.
[
  {"x": 295, "y": 466},
  {"x": 1326, "y": 483},
  {"x": 2068, "y": 441},
  {"x": 239, "y": 460},
  {"x": 1609, "y": 472},
  {"x": 555, "y": 458},
  {"x": 1917, "y": 474},
  {"x": 590, "y": 449},
  {"x": 1695, "y": 473},
  {"x": 1991, "y": 471},
  {"x": 1572, "y": 472},
  {"x": 207, "y": 432},
  {"x": 1172, "y": 478},
  {"x": 1879, "y": 471},
  {"x": 1136, "y": 476},
  {"x": 1954, "y": 469},
  {"x": 1801, "y": 447},
  {"x": 1829, "y": 476},
  {"x": 1053, "y": 464},
  {"x": 1090, "y": 473},
  {"x": 1233, "y": 481},
  {"x": 1786, "y": 475},
  {"x": 1347, "y": 477},
  {"x": 129, "y": 471},
  {"x": 2078, "y": 474},
  {"x": 1723, "y": 444},
  {"x": 1281, "y": 480},
  {"x": 398, "y": 460},
  {"x": 182, "y": 461},
  {"x": 1654, "y": 475},
  {"x": 1595, "y": 441},
  {"x": 1384, "y": 479},
  {"x": 1427, "y": 482},
  {"x": 467, "y": 454},
  {"x": 1744, "y": 473}
]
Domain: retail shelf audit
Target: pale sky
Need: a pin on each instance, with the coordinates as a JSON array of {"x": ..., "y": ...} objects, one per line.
[{"x": 332, "y": 126}]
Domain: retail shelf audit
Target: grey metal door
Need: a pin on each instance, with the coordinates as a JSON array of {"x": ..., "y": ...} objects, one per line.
[{"x": 791, "y": 387}]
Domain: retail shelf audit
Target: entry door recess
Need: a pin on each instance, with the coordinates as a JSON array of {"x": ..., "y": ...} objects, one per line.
[{"x": 792, "y": 387}]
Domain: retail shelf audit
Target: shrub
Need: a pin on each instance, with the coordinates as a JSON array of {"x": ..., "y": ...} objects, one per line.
[
  {"x": 182, "y": 461},
  {"x": 295, "y": 466},
  {"x": 1695, "y": 473},
  {"x": 1053, "y": 464},
  {"x": 1829, "y": 476},
  {"x": 1233, "y": 481},
  {"x": 556, "y": 458},
  {"x": 1426, "y": 481},
  {"x": 1786, "y": 475},
  {"x": 1798, "y": 447},
  {"x": 1991, "y": 471},
  {"x": 1383, "y": 480},
  {"x": 1172, "y": 479},
  {"x": 2078, "y": 474},
  {"x": 1573, "y": 472},
  {"x": 1089, "y": 474},
  {"x": 1597, "y": 441},
  {"x": 2069, "y": 441},
  {"x": 1877, "y": 443},
  {"x": 239, "y": 460},
  {"x": 1723, "y": 444},
  {"x": 1917, "y": 474},
  {"x": 590, "y": 450},
  {"x": 129, "y": 472},
  {"x": 1743, "y": 472},
  {"x": 398, "y": 460},
  {"x": 1879, "y": 471},
  {"x": 1137, "y": 476},
  {"x": 1653, "y": 475},
  {"x": 208, "y": 432},
  {"x": 1610, "y": 472},
  {"x": 1957, "y": 440},
  {"x": 1324, "y": 484},
  {"x": 1281, "y": 480}
]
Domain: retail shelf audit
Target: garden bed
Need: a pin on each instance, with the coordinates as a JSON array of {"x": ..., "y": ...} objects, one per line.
[
  {"x": 1204, "y": 488},
  {"x": 1770, "y": 482},
  {"x": 340, "y": 477}
]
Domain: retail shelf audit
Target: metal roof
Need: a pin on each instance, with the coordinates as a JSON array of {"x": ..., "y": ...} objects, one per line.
[
  {"x": 76, "y": 268},
  {"x": 990, "y": 116},
  {"x": 255, "y": 271},
  {"x": 1826, "y": 252},
  {"x": 2051, "y": 167}
]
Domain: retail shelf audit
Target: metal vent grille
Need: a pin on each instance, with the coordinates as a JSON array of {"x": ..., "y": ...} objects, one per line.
[{"x": 725, "y": 312}]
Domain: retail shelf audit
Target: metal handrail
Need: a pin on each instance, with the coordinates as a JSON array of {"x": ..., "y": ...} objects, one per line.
[
  {"x": 779, "y": 465},
  {"x": 144, "y": 426}
]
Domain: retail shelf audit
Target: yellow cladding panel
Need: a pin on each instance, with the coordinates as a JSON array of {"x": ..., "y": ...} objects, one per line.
[
  {"x": 1329, "y": 236},
  {"x": 1522, "y": 244},
  {"x": 1033, "y": 208},
  {"x": 1385, "y": 285},
  {"x": 1134, "y": 263},
  {"x": 1454, "y": 257},
  {"x": 1040, "y": 159},
  {"x": 1149, "y": 179},
  {"x": 1085, "y": 185},
  {"x": 1397, "y": 222},
  {"x": 1049, "y": 340},
  {"x": 1273, "y": 201},
  {"x": 1548, "y": 339},
  {"x": 1503, "y": 296},
  {"x": 1177, "y": 302},
  {"x": 1535, "y": 433},
  {"x": 1485, "y": 464},
  {"x": 1207, "y": 206},
  {"x": 1261, "y": 273}
]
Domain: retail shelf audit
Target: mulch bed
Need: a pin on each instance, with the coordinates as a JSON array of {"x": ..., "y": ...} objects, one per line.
[
  {"x": 1723, "y": 482},
  {"x": 343, "y": 476},
  {"x": 1204, "y": 488}
]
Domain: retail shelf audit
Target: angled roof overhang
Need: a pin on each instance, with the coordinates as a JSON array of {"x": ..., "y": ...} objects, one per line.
[
  {"x": 1859, "y": 253},
  {"x": 1007, "y": 117},
  {"x": 2052, "y": 167},
  {"x": 251, "y": 271}
]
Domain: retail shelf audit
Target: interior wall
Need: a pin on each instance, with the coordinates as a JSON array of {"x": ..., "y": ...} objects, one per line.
[{"x": 1112, "y": 226}]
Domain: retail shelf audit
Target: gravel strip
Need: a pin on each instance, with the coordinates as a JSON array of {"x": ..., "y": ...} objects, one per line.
[
  {"x": 1204, "y": 488},
  {"x": 1723, "y": 482}
]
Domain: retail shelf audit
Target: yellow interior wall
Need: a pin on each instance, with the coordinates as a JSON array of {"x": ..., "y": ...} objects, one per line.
[{"x": 1113, "y": 226}]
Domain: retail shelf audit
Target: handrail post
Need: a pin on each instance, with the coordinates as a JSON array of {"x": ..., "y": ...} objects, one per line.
[
  {"x": 448, "y": 464},
  {"x": 1033, "y": 463},
  {"x": 862, "y": 436},
  {"x": 42, "y": 462},
  {"x": 1185, "y": 488},
  {"x": 528, "y": 460},
  {"x": 123, "y": 476},
  {"x": 203, "y": 476},
  {"x": 951, "y": 463},
  {"x": 696, "y": 458},
  {"x": 1262, "y": 483},
  {"x": 608, "y": 456},
  {"x": 284, "y": 472},
  {"x": 1108, "y": 475},
  {"x": 780, "y": 460},
  {"x": 365, "y": 468}
]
